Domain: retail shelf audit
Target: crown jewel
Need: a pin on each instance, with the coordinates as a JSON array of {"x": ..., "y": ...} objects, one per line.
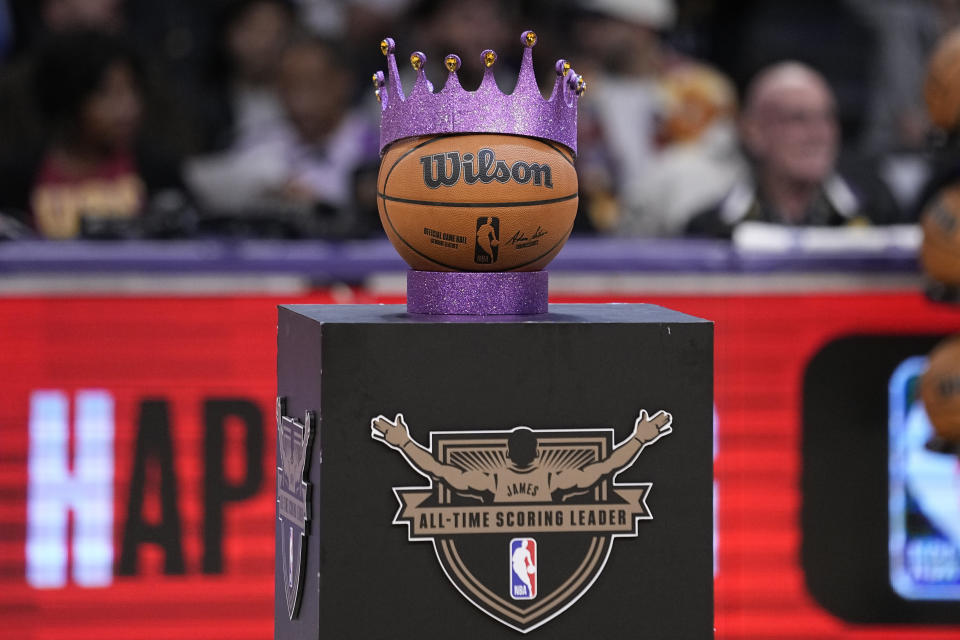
[{"x": 486, "y": 110}]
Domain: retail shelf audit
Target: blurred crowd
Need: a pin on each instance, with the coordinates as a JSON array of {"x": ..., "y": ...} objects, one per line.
[{"x": 256, "y": 118}]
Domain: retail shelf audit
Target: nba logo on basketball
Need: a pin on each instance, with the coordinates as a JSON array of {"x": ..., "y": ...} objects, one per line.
[
  {"x": 523, "y": 568},
  {"x": 488, "y": 240}
]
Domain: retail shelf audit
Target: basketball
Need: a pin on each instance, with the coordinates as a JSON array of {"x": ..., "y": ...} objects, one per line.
[
  {"x": 477, "y": 202},
  {"x": 940, "y": 250},
  {"x": 940, "y": 389},
  {"x": 941, "y": 90}
]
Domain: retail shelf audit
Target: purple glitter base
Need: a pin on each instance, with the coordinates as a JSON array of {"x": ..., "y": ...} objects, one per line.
[{"x": 476, "y": 294}]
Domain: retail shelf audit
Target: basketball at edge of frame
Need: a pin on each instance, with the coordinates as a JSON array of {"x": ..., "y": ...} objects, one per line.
[
  {"x": 940, "y": 249},
  {"x": 941, "y": 88},
  {"x": 940, "y": 389}
]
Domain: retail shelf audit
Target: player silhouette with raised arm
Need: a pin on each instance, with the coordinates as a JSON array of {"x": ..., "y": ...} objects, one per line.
[{"x": 523, "y": 478}]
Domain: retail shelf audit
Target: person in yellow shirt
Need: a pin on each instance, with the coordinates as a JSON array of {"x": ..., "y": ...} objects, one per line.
[{"x": 89, "y": 88}]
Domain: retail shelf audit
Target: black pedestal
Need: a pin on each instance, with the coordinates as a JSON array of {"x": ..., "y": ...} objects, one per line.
[{"x": 391, "y": 552}]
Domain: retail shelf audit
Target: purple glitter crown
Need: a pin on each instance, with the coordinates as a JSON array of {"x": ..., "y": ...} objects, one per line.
[{"x": 486, "y": 110}]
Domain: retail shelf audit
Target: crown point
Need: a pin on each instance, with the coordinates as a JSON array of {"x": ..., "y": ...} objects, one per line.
[
  {"x": 452, "y": 62},
  {"x": 417, "y": 59},
  {"x": 454, "y": 110}
]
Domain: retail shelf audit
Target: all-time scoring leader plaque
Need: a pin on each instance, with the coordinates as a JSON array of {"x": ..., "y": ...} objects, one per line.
[
  {"x": 489, "y": 477},
  {"x": 529, "y": 485}
]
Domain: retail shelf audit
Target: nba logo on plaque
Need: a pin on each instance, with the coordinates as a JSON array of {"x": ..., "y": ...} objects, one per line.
[
  {"x": 522, "y": 491},
  {"x": 523, "y": 568}
]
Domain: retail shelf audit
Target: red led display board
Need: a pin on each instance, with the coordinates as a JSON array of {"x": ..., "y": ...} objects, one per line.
[{"x": 137, "y": 453}]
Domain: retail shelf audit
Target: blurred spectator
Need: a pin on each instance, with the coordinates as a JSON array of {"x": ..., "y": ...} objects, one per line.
[
  {"x": 789, "y": 130},
  {"x": 897, "y": 126},
  {"x": 829, "y": 35},
  {"x": 907, "y": 31},
  {"x": 467, "y": 28},
  {"x": 331, "y": 143},
  {"x": 66, "y": 15},
  {"x": 657, "y": 142},
  {"x": 942, "y": 97},
  {"x": 177, "y": 40},
  {"x": 699, "y": 158},
  {"x": 251, "y": 38},
  {"x": 366, "y": 22},
  {"x": 35, "y": 20},
  {"x": 621, "y": 58},
  {"x": 89, "y": 89},
  {"x": 20, "y": 124},
  {"x": 309, "y": 161},
  {"x": 326, "y": 18}
]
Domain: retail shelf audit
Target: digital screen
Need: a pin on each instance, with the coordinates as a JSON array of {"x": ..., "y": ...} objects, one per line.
[
  {"x": 136, "y": 489},
  {"x": 137, "y": 481},
  {"x": 924, "y": 497}
]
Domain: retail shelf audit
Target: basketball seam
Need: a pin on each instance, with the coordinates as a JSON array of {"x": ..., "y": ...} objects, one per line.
[
  {"x": 409, "y": 151},
  {"x": 433, "y": 203},
  {"x": 410, "y": 246},
  {"x": 453, "y": 268},
  {"x": 386, "y": 213},
  {"x": 560, "y": 151}
]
